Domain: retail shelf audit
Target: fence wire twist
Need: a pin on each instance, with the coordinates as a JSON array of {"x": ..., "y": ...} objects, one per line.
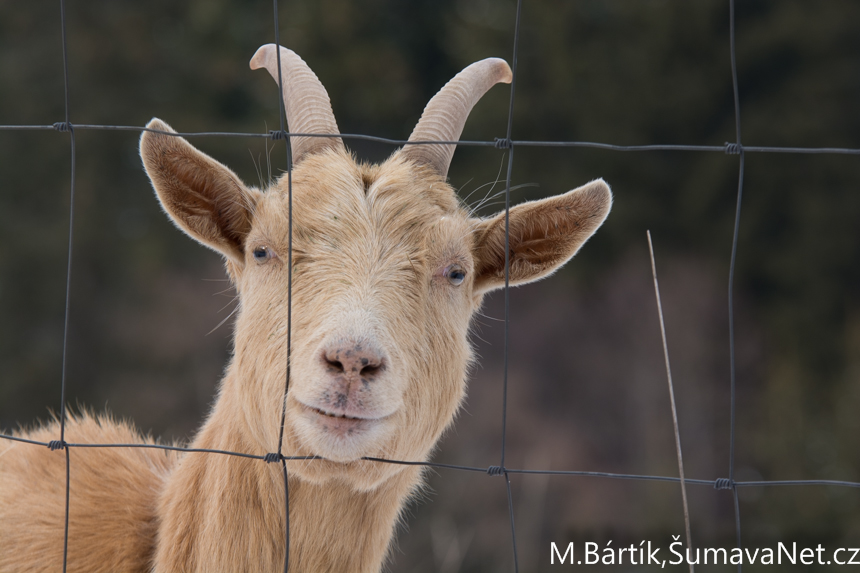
[{"x": 506, "y": 144}]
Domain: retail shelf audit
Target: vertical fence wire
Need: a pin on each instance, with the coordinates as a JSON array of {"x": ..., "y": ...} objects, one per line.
[
  {"x": 62, "y": 442},
  {"x": 508, "y": 278},
  {"x": 280, "y": 456},
  {"x": 733, "y": 366}
]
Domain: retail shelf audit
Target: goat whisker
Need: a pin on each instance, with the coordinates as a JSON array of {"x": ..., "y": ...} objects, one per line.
[{"x": 220, "y": 324}]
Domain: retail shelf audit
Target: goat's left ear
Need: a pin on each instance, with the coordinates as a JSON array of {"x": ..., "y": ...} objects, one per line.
[
  {"x": 544, "y": 235},
  {"x": 203, "y": 197}
]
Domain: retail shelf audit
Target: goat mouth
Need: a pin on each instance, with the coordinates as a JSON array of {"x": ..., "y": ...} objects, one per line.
[
  {"x": 336, "y": 416},
  {"x": 340, "y": 417},
  {"x": 340, "y": 436}
]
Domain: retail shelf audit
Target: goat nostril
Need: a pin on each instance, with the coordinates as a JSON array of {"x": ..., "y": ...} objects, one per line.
[
  {"x": 370, "y": 366},
  {"x": 371, "y": 370},
  {"x": 334, "y": 365}
]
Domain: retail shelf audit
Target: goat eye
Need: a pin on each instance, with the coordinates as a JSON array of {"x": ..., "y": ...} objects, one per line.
[
  {"x": 262, "y": 254},
  {"x": 455, "y": 275}
]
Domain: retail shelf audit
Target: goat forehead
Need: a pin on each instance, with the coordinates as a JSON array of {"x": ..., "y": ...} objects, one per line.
[{"x": 344, "y": 205}]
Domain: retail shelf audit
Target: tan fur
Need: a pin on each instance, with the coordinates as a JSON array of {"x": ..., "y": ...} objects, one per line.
[
  {"x": 373, "y": 249},
  {"x": 112, "y": 509}
]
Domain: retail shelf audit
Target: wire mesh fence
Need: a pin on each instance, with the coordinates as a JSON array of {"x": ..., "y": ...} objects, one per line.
[{"x": 508, "y": 146}]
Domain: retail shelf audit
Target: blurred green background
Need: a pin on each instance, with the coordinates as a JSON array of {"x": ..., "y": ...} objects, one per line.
[{"x": 587, "y": 384}]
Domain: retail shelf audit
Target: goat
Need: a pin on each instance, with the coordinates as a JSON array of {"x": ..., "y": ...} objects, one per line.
[{"x": 388, "y": 268}]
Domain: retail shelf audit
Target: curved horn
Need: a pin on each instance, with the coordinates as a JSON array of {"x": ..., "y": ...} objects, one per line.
[
  {"x": 445, "y": 115},
  {"x": 305, "y": 101}
]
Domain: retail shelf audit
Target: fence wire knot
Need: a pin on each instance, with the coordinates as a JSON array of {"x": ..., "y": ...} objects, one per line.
[
  {"x": 734, "y": 148},
  {"x": 55, "y": 445},
  {"x": 723, "y": 483},
  {"x": 277, "y": 134},
  {"x": 502, "y": 143},
  {"x": 63, "y": 126},
  {"x": 495, "y": 470},
  {"x": 272, "y": 458}
]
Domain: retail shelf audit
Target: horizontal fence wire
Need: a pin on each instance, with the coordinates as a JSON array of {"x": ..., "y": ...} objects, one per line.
[
  {"x": 499, "y": 143},
  {"x": 506, "y": 144},
  {"x": 479, "y": 469}
]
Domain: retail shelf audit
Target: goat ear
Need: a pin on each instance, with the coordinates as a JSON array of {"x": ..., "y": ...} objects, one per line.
[
  {"x": 544, "y": 235},
  {"x": 203, "y": 197}
]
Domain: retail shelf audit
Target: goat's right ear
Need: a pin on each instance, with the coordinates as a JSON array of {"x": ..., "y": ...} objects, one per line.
[{"x": 203, "y": 197}]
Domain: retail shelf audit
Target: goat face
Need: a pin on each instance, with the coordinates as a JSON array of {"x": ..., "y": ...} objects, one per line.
[
  {"x": 387, "y": 271},
  {"x": 382, "y": 267}
]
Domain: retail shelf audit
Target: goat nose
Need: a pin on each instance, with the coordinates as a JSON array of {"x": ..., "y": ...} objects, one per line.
[{"x": 354, "y": 359}]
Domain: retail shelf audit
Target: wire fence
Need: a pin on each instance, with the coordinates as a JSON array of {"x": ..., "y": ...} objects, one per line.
[{"x": 508, "y": 145}]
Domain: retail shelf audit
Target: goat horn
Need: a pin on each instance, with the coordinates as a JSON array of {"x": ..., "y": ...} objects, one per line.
[
  {"x": 305, "y": 100},
  {"x": 446, "y": 113}
]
